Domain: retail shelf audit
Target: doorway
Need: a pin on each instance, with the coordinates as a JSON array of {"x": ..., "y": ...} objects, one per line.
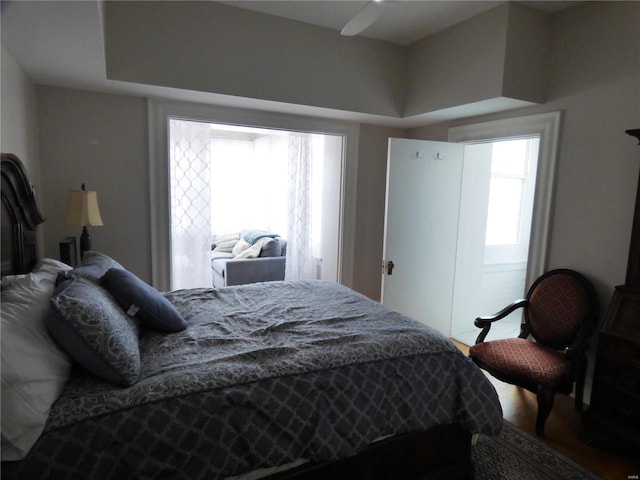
[
  {"x": 545, "y": 127},
  {"x": 225, "y": 179},
  {"x": 432, "y": 262},
  {"x": 496, "y": 208},
  {"x": 160, "y": 111}
]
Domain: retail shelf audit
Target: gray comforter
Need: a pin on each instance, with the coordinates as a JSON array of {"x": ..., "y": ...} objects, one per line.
[{"x": 264, "y": 374}]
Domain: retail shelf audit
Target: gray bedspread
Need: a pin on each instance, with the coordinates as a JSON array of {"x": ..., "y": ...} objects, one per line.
[{"x": 264, "y": 374}]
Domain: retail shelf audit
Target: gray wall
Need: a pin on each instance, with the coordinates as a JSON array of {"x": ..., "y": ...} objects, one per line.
[
  {"x": 100, "y": 140},
  {"x": 19, "y": 116},
  {"x": 594, "y": 77},
  {"x": 372, "y": 173},
  {"x": 226, "y": 50},
  {"x": 479, "y": 59},
  {"x": 19, "y": 122},
  {"x": 222, "y": 49}
]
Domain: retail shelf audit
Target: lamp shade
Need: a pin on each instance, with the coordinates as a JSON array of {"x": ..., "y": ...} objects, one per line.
[{"x": 82, "y": 209}]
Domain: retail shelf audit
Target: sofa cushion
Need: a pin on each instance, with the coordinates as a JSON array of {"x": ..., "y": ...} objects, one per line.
[
  {"x": 219, "y": 264},
  {"x": 221, "y": 255},
  {"x": 271, "y": 248}
]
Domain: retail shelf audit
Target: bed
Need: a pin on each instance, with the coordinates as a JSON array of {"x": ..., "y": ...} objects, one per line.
[{"x": 278, "y": 380}]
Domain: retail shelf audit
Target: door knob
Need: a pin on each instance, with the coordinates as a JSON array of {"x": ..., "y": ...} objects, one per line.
[{"x": 390, "y": 266}]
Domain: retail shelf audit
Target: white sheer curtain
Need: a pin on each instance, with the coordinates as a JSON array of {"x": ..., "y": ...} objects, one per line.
[
  {"x": 225, "y": 185},
  {"x": 190, "y": 164},
  {"x": 301, "y": 261}
]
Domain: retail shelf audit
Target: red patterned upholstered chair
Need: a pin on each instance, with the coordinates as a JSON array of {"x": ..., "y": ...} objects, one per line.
[{"x": 560, "y": 312}]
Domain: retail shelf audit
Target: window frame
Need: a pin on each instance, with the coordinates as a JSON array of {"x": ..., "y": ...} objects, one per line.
[
  {"x": 159, "y": 112},
  {"x": 547, "y": 126}
]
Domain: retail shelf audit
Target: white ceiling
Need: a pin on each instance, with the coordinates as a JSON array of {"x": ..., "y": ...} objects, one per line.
[
  {"x": 60, "y": 43},
  {"x": 402, "y": 21}
]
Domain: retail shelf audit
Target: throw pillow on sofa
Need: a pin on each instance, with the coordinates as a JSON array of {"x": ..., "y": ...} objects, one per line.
[
  {"x": 225, "y": 243},
  {"x": 271, "y": 248},
  {"x": 240, "y": 247},
  {"x": 252, "y": 252}
]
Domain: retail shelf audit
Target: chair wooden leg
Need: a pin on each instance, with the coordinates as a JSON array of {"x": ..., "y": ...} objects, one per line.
[
  {"x": 579, "y": 403},
  {"x": 545, "y": 403}
]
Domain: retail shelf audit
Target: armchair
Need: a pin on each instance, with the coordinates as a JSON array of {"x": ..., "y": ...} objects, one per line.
[
  {"x": 560, "y": 312},
  {"x": 268, "y": 267}
]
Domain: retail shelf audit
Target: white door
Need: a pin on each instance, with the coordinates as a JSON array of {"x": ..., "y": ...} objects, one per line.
[
  {"x": 425, "y": 220},
  {"x": 467, "y": 296},
  {"x": 421, "y": 224}
]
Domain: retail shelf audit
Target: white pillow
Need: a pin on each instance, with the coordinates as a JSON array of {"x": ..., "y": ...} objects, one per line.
[
  {"x": 240, "y": 247},
  {"x": 34, "y": 369},
  {"x": 225, "y": 243},
  {"x": 252, "y": 251},
  {"x": 9, "y": 279}
]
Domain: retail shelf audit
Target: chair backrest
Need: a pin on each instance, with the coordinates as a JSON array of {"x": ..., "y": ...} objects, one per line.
[{"x": 560, "y": 302}]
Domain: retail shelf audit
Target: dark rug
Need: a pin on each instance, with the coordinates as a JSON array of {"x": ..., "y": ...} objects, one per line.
[{"x": 515, "y": 454}]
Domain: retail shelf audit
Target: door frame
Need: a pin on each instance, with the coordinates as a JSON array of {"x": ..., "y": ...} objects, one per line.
[
  {"x": 159, "y": 112},
  {"x": 547, "y": 127}
]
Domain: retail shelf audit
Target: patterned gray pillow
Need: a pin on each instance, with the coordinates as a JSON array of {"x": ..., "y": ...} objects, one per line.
[{"x": 89, "y": 325}]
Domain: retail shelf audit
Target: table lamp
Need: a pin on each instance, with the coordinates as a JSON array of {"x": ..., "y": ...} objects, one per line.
[{"x": 83, "y": 211}]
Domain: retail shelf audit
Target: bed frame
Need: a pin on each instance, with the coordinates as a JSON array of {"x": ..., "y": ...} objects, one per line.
[
  {"x": 20, "y": 217},
  {"x": 442, "y": 452}
]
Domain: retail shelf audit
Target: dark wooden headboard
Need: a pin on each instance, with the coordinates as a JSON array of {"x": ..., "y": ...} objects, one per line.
[{"x": 20, "y": 218}]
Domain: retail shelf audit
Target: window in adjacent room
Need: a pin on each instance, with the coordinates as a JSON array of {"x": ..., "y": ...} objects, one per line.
[
  {"x": 512, "y": 184},
  {"x": 225, "y": 178},
  {"x": 493, "y": 251}
]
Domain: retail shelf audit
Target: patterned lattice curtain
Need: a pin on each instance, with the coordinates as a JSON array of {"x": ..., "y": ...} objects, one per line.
[
  {"x": 264, "y": 183},
  {"x": 190, "y": 185}
]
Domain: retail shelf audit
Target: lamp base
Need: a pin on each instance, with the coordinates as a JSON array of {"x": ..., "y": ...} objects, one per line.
[{"x": 85, "y": 242}]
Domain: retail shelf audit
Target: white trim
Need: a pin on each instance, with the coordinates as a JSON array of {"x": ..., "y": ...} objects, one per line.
[
  {"x": 159, "y": 111},
  {"x": 547, "y": 126}
]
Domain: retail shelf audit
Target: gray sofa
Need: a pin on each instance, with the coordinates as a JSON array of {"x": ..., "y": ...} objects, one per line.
[{"x": 268, "y": 267}]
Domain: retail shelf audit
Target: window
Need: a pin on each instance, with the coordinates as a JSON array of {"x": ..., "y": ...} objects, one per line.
[
  {"x": 339, "y": 181},
  {"x": 224, "y": 179},
  {"x": 513, "y": 166}
]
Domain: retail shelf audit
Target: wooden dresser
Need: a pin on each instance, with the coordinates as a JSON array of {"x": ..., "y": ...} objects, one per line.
[{"x": 615, "y": 396}]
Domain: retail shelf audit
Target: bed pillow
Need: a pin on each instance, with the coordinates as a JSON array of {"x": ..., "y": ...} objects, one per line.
[
  {"x": 7, "y": 280},
  {"x": 139, "y": 299},
  {"x": 93, "y": 266},
  {"x": 89, "y": 325},
  {"x": 34, "y": 369}
]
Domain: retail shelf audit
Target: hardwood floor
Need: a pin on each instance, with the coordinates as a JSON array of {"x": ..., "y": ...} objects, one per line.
[{"x": 565, "y": 431}]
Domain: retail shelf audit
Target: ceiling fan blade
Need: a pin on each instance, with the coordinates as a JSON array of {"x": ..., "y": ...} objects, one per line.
[{"x": 364, "y": 18}]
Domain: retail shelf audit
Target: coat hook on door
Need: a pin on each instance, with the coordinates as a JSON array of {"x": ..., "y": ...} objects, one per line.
[
  {"x": 439, "y": 156},
  {"x": 418, "y": 154}
]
